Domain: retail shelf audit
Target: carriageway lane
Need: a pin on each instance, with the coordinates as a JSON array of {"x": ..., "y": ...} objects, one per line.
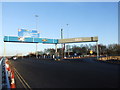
[{"x": 57, "y": 74}]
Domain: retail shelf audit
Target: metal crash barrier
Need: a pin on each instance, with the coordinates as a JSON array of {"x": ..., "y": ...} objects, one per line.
[{"x": 6, "y": 75}]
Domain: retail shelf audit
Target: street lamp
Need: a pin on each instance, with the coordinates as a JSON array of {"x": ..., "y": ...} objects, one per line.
[
  {"x": 63, "y": 45},
  {"x": 36, "y": 29},
  {"x": 36, "y": 21},
  {"x": 68, "y": 37}
]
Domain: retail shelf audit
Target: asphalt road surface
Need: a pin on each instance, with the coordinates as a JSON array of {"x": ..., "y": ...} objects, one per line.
[{"x": 35, "y": 73}]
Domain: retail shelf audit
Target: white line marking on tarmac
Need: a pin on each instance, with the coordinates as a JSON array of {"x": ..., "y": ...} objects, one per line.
[{"x": 23, "y": 80}]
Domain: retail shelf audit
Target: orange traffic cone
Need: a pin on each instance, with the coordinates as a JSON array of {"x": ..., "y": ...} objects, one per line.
[
  {"x": 12, "y": 80},
  {"x": 7, "y": 67}
]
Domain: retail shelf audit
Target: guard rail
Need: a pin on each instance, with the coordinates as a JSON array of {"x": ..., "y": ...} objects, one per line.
[{"x": 4, "y": 80}]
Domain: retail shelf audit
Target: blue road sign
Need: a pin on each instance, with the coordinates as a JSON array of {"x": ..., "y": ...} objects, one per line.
[
  {"x": 28, "y": 33},
  {"x": 30, "y": 40}
]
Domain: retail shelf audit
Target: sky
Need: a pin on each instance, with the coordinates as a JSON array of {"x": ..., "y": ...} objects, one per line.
[{"x": 85, "y": 19}]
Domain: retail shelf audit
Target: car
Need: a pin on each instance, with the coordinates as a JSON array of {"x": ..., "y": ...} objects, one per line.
[{"x": 14, "y": 58}]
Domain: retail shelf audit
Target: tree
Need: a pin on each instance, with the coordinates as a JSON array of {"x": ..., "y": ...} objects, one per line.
[
  {"x": 50, "y": 51},
  {"x": 102, "y": 49},
  {"x": 31, "y": 54},
  {"x": 40, "y": 52},
  {"x": 80, "y": 50},
  {"x": 76, "y": 49},
  {"x": 113, "y": 49}
]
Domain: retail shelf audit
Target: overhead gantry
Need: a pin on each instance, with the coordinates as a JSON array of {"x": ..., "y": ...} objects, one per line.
[{"x": 51, "y": 41}]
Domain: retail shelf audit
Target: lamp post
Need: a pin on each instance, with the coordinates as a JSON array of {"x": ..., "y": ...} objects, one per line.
[
  {"x": 68, "y": 37},
  {"x": 36, "y": 21},
  {"x": 36, "y": 29},
  {"x": 62, "y": 44}
]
